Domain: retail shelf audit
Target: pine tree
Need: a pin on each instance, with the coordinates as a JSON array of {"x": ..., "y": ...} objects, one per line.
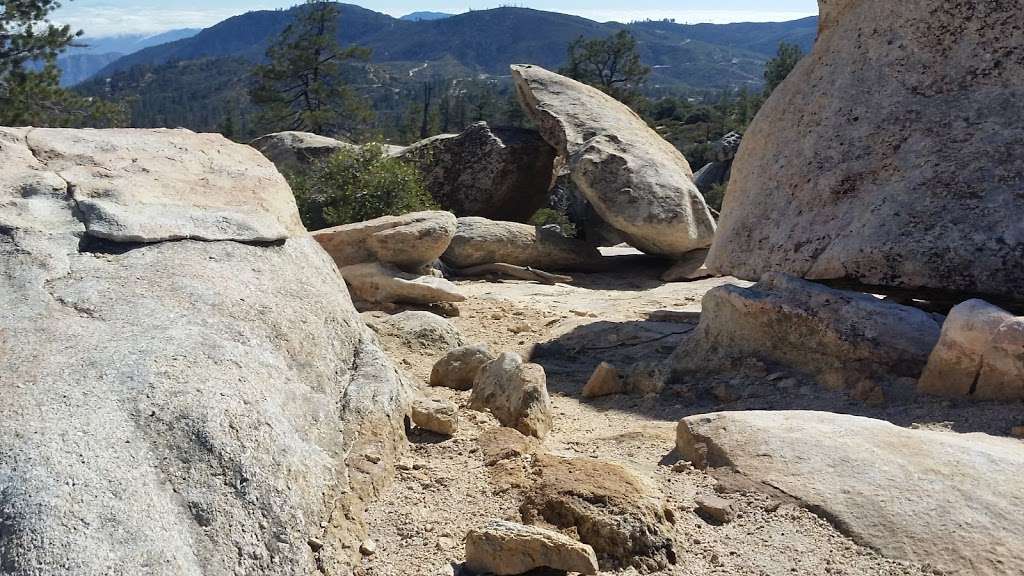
[
  {"x": 30, "y": 92},
  {"x": 610, "y": 64},
  {"x": 302, "y": 87},
  {"x": 778, "y": 68}
]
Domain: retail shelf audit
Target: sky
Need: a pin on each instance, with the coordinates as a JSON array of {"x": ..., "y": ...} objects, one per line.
[{"x": 113, "y": 17}]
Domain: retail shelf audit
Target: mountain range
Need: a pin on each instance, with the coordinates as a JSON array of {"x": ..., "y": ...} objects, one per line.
[{"x": 90, "y": 55}]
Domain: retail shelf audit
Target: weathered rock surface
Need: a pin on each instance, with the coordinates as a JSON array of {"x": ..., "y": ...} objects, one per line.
[
  {"x": 458, "y": 368},
  {"x": 841, "y": 338},
  {"x": 175, "y": 185},
  {"x": 497, "y": 173},
  {"x": 376, "y": 283},
  {"x": 980, "y": 354},
  {"x": 505, "y": 548},
  {"x": 635, "y": 180},
  {"x": 718, "y": 170},
  {"x": 856, "y": 169},
  {"x": 176, "y": 408},
  {"x": 291, "y": 151},
  {"x": 617, "y": 512},
  {"x": 516, "y": 393},
  {"x": 954, "y": 501},
  {"x": 438, "y": 416},
  {"x": 410, "y": 242},
  {"x": 481, "y": 241},
  {"x": 688, "y": 268},
  {"x": 419, "y": 331}
]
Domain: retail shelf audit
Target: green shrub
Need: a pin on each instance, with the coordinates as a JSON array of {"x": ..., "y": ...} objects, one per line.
[
  {"x": 716, "y": 196},
  {"x": 549, "y": 216},
  {"x": 354, "y": 185}
]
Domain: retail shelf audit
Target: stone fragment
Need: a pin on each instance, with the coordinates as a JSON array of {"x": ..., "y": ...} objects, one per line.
[
  {"x": 505, "y": 548},
  {"x": 515, "y": 393},
  {"x": 605, "y": 381},
  {"x": 438, "y": 416},
  {"x": 376, "y": 283},
  {"x": 458, "y": 368},
  {"x": 715, "y": 509}
]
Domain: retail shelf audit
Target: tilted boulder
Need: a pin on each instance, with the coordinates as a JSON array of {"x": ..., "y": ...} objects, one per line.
[
  {"x": 506, "y": 548},
  {"x": 516, "y": 393},
  {"x": 841, "y": 338},
  {"x": 481, "y": 241},
  {"x": 980, "y": 355},
  {"x": 292, "y": 151},
  {"x": 953, "y": 501},
  {"x": 636, "y": 181},
  {"x": 411, "y": 241},
  {"x": 498, "y": 173},
  {"x": 197, "y": 406},
  {"x": 890, "y": 156}
]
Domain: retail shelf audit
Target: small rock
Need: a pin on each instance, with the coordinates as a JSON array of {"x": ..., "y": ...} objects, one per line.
[
  {"x": 605, "y": 381},
  {"x": 368, "y": 548},
  {"x": 373, "y": 458},
  {"x": 459, "y": 368},
  {"x": 314, "y": 544},
  {"x": 1017, "y": 432},
  {"x": 516, "y": 393},
  {"x": 715, "y": 510},
  {"x": 505, "y": 548},
  {"x": 445, "y": 543},
  {"x": 438, "y": 416},
  {"x": 646, "y": 377}
]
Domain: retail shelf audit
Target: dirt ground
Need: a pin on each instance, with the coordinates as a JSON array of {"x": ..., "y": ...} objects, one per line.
[{"x": 444, "y": 488}]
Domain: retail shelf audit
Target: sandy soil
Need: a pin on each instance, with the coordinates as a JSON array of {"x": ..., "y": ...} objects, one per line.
[{"x": 444, "y": 488}]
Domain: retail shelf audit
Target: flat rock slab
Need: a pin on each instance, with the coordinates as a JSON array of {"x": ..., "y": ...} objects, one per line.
[
  {"x": 377, "y": 283},
  {"x": 506, "y": 548},
  {"x": 636, "y": 181},
  {"x": 955, "y": 501},
  {"x": 156, "y": 185},
  {"x": 410, "y": 241},
  {"x": 890, "y": 155}
]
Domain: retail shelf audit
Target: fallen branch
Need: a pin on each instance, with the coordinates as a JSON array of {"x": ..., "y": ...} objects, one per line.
[{"x": 512, "y": 271}]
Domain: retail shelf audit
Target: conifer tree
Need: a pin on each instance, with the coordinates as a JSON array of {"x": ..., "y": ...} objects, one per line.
[
  {"x": 301, "y": 87},
  {"x": 610, "y": 64}
]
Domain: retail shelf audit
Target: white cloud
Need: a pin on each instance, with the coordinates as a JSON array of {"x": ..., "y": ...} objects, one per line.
[{"x": 694, "y": 16}]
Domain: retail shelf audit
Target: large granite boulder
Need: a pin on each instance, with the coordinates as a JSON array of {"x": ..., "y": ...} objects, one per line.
[
  {"x": 952, "y": 501},
  {"x": 635, "y": 180},
  {"x": 890, "y": 156},
  {"x": 199, "y": 406},
  {"x": 292, "y": 151},
  {"x": 480, "y": 241},
  {"x": 979, "y": 355},
  {"x": 498, "y": 173},
  {"x": 410, "y": 241},
  {"x": 840, "y": 338}
]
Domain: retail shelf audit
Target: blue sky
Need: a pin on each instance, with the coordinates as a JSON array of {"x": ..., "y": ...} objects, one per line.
[{"x": 109, "y": 17}]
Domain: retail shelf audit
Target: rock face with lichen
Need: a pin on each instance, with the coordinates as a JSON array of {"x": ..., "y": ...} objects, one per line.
[
  {"x": 890, "y": 156},
  {"x": 187, "y": 388}
]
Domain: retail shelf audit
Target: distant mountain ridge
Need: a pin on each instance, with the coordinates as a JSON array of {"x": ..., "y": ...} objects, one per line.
[
  {"x": 705, "y": 56},
  {"x": 90, "y": 55},
  {"x": 419, "y": 16}
]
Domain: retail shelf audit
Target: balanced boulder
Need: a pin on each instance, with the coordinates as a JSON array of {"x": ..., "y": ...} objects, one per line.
[
  {"x": 195, "y": 406},
  {"x": 890, "y": 156},
  {"x": 411, "y": 241},
  {"x": 979, "y": 355},
  {"x": 636, "y": 181},
  {"x": 506, "y": 548},
  {"x": 481, "y": 241},
  {"x": 516, "y": 394},
  {"x": 840, "y": 338},
  {"x": 499, "y": 173},
  {"x": 954, "y": 501}
]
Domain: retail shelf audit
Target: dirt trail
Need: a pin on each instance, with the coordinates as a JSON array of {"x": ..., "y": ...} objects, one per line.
[{"x": 444, "y": 488}]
